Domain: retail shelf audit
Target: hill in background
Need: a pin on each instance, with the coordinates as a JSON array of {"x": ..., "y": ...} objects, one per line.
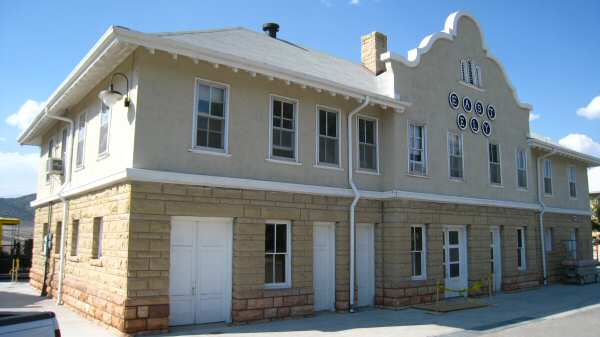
[{"x": 19, "y": 208}]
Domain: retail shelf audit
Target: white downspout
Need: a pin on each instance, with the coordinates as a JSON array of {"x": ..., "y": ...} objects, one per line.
[
  {"x": 67, "y": 170},
  {"x": 542, "y": 211},
  {"x": 355, "y": 200}
]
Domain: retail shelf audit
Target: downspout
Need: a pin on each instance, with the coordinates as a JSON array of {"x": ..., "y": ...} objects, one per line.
[
  {"x": 355, "y": 200},
  {"x": 65, "y": 217},
  {"x": 542, "y": 211}
]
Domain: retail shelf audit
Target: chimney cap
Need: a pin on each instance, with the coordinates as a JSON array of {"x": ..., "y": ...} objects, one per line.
[{"x": 271, "y": 28}]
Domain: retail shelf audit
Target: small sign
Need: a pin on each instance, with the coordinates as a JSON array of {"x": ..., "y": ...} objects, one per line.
[
  {"x": 491, "y": 112},
  {"x": 453, "y": 100},
  {"x": 467, "y": 104},
  {"x": 461, "y": 121},
  {"x": 479, "y": 108},
  {"x": 474, "y": 124},
  {"x": 486, "y": 128}
]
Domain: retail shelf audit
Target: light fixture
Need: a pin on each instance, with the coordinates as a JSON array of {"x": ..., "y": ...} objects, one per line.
[{"x": 111, "y": 96}]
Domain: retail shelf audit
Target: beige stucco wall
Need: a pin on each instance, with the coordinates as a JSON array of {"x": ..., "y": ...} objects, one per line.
[{"x": 121, "y": 133}]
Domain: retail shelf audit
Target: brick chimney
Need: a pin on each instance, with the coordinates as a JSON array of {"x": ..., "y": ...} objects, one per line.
[{"x": 372, "y": 46}]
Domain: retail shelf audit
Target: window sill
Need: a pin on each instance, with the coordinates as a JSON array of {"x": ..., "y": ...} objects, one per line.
[
  {"x": 521, "y": 189},
  {"x": 102, "y": 156},
  {"x": 548, "y": 195},
  {"x": 418, "y": 278},
  {"x": 372, "y": 173},
  {"x": 277, "y": 286},
  {"x": 325, "y": 167},
  {"x": 468, "y": 85},
  {"x": 457, "y": 180},
  {"x": 418, "y": 175},
  {"x": 497, "y": 185},
  {"x": 79, "y": 168},
  {"x": 96, "y": 262},
  {"x": 210, "y": 152},
  {"x": 283, "y": 161},
  {"x": 74, "y": 258}
]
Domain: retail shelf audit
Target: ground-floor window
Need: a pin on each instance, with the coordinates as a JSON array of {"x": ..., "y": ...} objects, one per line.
[
  {"x": 417, "y": 251},
  {"x": 521, "y": 256},
  {"x": 548, "y": 239},
  {"x": 277, "y": 254},
  {"x": 74, "y": 237},
  {"x": 97, "y": 234}
]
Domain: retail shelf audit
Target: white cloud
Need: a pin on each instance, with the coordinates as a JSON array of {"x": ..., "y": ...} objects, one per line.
[
  {"x": 2, "y": 139},
  {"x": 19, "y": 173},
  {"x": 592, "y": 110},
  {"x": 25, "y": 115},
  {"x": 533, "y": 116},
  {"x": 326, "y": 3},
  {"x": 354, "y": 2},
  {"x": 585, "y": 144}
]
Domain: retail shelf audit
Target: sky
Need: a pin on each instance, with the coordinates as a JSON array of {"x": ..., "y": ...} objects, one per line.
[{"x": 550, "y": 49}]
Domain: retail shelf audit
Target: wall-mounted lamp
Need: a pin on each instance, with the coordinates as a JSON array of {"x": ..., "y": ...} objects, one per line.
[{"x": 111, "y": 96}]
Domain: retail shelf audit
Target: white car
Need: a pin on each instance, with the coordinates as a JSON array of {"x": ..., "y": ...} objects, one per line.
[{"x": 28, "y": 324}]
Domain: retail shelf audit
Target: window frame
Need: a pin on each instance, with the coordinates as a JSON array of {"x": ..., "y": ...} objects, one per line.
[
  {"x": 206, "y": 149},
  {"x": 366, "y": 170},
  {"x": 490, "y": 165},
  {"x": 106, "y": 152},
  {"x": 81, "y": 142},
  {"x": 49, "y": 155},
  {"x": 462, "y": 155},
  {"x": 548, "y": 239},
  {"x": 544, "y": 178},
  {"x": 283, "y": 160},
  {"x": 425, "y": 146},
  {"x": 522, "y": 248},
  {"x": 423, "y": 251},
  {"x": 97, "y": 249},
  {"x": 517, "y": 151},
  {"x": 288, "y": 259},
  {"x": 75, "y": 227},
  {"x": 569, "y": 182},
  {"x": 338, "y": 112}
]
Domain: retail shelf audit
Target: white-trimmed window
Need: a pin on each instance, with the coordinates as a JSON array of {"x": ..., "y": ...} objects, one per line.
[
  {"x": 81, "y": 127},
  {"x": 548, "y": 239},
  {"x": 572, "y": 243},
  {"x": 50, "y": 156},
  {"x": 521, "y": 249},
  {"x": 494, "y": 161},
  {"x": 328, "y": 126},
  {"x": 455, "y": 155},
  {"x": 417, "y": 155},
  {"x": 470, "y": 73},
  {"x": 418, "y": 248},
  {"x": 283, "y": 128},
  {"x": 367, "y": 143},
  {"x": 210, "y": 116},
  {"x": 75, "y": 238},
  {"x": 547, "y": 177},
  {"x": 521, "y": 169},
  {"x": 104, "y": 129},
  {"x": 277, "y": 254},
  {"x": 572, "y": 172}
]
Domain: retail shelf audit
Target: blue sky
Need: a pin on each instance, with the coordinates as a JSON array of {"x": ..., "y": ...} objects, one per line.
[{"x": 551, "y": 51}]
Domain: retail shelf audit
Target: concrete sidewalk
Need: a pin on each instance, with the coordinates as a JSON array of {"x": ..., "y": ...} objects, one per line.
[{"x": 558, "y": 310}]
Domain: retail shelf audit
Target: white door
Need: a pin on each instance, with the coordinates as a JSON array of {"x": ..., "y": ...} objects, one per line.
[
  {"x": 200, "y": 272},
  {"x": 324, "y": 265},
  {"x": 455, "y": 260},
  {"x": 365, "y": 264},
  {"x": 496, "y": 258}
]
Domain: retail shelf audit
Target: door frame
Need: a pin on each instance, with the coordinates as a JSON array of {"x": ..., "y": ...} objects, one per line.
[
  {"x": 229, "y": 270},
  {"x": 463, "y": 248},
  {"x": 371, "y": 227},
  {"x": 497, "y": 234},
  {"x": 330, "y": 225}
]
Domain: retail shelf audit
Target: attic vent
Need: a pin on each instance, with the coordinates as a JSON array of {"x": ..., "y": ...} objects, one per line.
[{"x": 271, "y": 28}]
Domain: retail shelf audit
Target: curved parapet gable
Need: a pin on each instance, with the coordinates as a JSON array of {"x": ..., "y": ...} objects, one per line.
[{"x": 451, "y": 28}]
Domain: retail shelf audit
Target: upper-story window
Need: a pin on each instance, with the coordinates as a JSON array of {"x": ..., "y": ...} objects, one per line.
[
  {"x": 328, "y": 149},
  {"x": 283, "y": 128},
  {"x": 521, "y": 169},
  {"x": 367, "y": 143},
  {"x": 547, "y": 176},
  {"x": 80, "y": 140},
  {"x": 470, "y": 73},
  {"x": 417, "y": 156},
  {"x": 455, "y": 155},
  {"x": 211, "y": 116},
  {"x": 50, "y": 155},
  {"x": 104, "y": 126},
  {"x": 494, "y": 160},
  {"x": 572, "y": 182}
]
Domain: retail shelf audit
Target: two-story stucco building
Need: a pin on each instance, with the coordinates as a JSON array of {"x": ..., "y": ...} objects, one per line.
[{"x": 242, "y": 177}]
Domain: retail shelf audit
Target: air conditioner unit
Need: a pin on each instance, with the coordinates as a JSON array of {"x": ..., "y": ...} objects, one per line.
[{"x": 55, "y": 166}]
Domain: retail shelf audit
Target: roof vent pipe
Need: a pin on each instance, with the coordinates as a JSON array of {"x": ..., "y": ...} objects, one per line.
[{"x": 271, "y": 28}]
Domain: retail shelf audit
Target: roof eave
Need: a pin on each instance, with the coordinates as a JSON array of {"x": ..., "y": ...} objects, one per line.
[{"x": 539, "y": 144}]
